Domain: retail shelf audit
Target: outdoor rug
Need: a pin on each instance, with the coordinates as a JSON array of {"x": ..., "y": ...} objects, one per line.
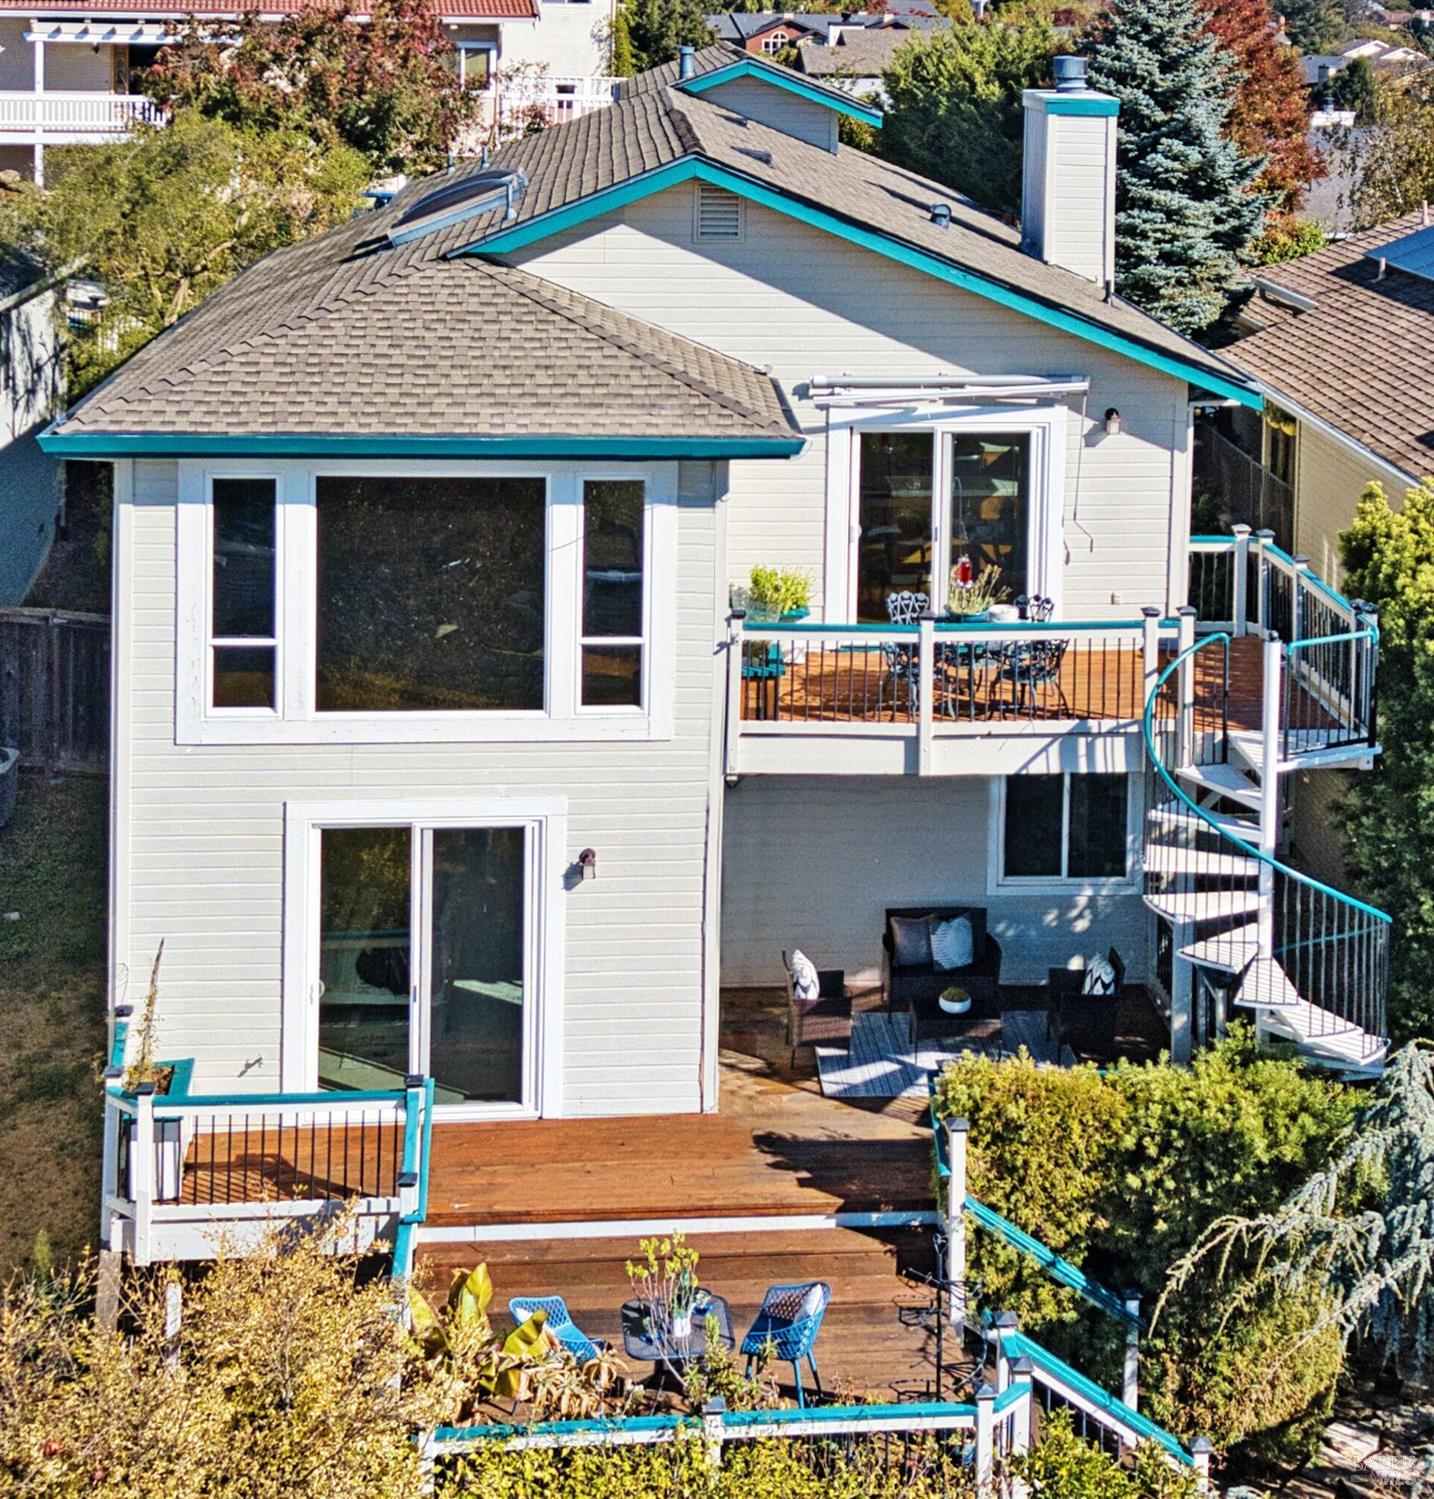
[{"x": 882, "y": 1063}]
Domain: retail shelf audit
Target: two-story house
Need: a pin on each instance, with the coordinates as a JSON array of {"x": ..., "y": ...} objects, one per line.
[
  {"x": 67, "y": 71},
  {"x": 439, "y": 748}
]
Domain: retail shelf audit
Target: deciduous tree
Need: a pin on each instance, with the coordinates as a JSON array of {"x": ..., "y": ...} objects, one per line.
[
  {"x": 1268, "y": 116},
  {"x": 386, "y": 84},
  {"x": 1186, "y": 204},
  {"x": 1390, "y": 158},
  {"x": 954, "y": 105},
  {"x": 657, "y": 28},
  {"x": 1313, "y": 25}
]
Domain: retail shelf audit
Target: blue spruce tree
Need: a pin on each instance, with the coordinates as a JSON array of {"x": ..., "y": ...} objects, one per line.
[{"x": 1185, "y": 206}]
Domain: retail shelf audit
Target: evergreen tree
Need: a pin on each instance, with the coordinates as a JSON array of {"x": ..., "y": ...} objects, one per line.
[
  {"x": 1186, "y": 209},
  {"x": 1389, "y": 811},
  {"x": 620, "y": 45},
  {"x": 954, "y": 106},
  {"x": 657, "y": 28},
  {"x": 1312, "y": 25},
  {"x": 1269, "y": 114}
]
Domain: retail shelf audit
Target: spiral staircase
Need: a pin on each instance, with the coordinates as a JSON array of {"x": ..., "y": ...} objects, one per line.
[{"x": 1281, "y": 682}]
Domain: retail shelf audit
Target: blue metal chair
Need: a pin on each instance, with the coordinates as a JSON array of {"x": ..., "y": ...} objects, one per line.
[
  {"x": 559, "y": 1323},
  {"x": 790, "y": 1319}
]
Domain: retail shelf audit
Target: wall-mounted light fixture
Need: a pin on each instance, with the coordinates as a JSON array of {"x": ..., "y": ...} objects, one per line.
[
  {"x": 587, "y": 862},
  {"x": 1112, "y": 422}
]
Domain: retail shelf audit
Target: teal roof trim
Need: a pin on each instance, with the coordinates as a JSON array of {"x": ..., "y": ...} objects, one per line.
[
  {"x": 543, "y": 226},
  {"x": 1082, "y": 104},
  {"x": 297, "y": 445},
  {"x": 748, "y": 67}
]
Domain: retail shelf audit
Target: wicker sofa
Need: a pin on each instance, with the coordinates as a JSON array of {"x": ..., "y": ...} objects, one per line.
[{"x": 917, "y": 986}]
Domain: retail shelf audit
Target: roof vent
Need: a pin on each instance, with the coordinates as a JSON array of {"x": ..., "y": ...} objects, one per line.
[
  {"x": 457, "y": 199},
  {"x": 1069, "y": 74},
  {"x": 686, "y": 61},
  {"x": 941, "y": 215}
]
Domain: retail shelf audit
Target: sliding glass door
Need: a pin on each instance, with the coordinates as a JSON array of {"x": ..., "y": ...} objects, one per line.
[
  {"x": 937, "y": 510},
  {"x": 425, "y": 960}
]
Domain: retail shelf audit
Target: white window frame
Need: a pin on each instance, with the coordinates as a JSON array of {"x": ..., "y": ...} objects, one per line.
[
  {"x": 296, "y": 719},
  {"x": 545, "y": 819},
  {"x": 465, "y": 47},
  {"x": 1000, "y": 881},
  {"x": 643, "y": 641},
  {"x": 213, "y": 642},
  {"x": 1048, "y": 427}
]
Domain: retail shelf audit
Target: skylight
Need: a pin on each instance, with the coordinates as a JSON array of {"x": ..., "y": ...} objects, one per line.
[{"x": 458, "y": 199}]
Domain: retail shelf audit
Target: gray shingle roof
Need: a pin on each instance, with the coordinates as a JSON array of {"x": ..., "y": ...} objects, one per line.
[
  {"x": 1363, "y": 360},
  {"x": 346, "y": 332},
  {"x": 865, "y": 54}
]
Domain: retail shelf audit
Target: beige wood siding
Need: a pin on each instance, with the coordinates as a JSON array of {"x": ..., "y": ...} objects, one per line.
[
  {"x": 1329, "y": 479},
  {"x": 805, "y": 303},
  {"x": 814, "y": 862},
  {"x": 201, "y": 850},
  {"x": 777, "y": 107}
]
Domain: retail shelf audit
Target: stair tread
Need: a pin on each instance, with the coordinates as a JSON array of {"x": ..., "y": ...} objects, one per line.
[
  {"x": 1266, "y": 986},
  {"x": 1325, "y": 1037},
  {"x": 1230, "y": 950},
  {"x": 1172, "y": 858},
  {"x": 1203, "y": 905},
  {"x": 1181, "y": 816},
  {"x": 1224, "y": 780}
]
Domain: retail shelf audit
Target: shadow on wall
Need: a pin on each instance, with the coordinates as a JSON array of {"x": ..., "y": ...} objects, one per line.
[{"x": 30, "y": 391}]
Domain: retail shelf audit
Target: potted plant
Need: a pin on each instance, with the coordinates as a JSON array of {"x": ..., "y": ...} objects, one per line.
[
  {"x": 779, "y": 593},
  {"x": 665, "y": 1279},
  {"x": 954, "y": 1000},
  {"x": 970, "y": 596},
  {"x": 145, "y": 1074}
]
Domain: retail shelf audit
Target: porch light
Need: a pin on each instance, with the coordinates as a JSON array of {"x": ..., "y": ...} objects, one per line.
[
  {"x": 1112, "y": 422},
  {"x": 587, "y": 862}
]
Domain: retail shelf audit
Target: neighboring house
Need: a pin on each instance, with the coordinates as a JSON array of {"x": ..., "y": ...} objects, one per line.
[
  {"x": 766, "y": 33},
  {"x": 439, "y": 749},
  {"x": 31, "y": 385},
  {"x": 67, "y": 70},
  {"x": 856, "y": 61},
  {"x": 1341, "y": 340},
  {"x": 1382, "y": 56}
]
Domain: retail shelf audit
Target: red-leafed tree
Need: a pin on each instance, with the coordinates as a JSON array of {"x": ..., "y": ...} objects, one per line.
[{"x": 1268, "y": 116}]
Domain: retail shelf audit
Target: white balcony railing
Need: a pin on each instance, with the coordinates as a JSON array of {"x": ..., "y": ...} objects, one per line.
[
  {"x": 523, "y": 102},
  {"x": 71, "y": 112}
]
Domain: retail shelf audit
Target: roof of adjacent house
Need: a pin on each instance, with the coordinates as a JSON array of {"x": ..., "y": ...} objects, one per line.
[
  {"x": 739, "y": 25},
  {"x": 861, "y": 54},
  {"x": 1361, "y": 360},
  {"x": 483, "y": 10},
  {"x": 293, "y": 340}
]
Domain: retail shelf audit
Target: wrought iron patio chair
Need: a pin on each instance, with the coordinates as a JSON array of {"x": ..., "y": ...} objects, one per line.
[
  {"x": 790, "y": 1319},
  {"x": 1028, "y": 666},
  {"x": 901, "y": 664},
  {"x": 559, "y": 1323}
]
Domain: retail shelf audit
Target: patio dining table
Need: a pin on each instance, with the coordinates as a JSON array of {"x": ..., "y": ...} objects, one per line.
[{"x": 641, "y": 1340}]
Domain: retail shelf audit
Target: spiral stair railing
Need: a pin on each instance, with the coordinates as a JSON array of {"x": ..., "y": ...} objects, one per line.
[{"x": 1311, "y": 961}]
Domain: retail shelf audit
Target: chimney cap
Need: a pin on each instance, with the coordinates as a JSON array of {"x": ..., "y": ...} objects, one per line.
[{"x": 1069, "y": 72}]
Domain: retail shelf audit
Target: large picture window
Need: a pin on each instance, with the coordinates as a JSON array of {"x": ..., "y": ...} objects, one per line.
[
  {"x": 1066, "y": 827},
  {"x": 431, "y": 594},
  {"x": 243, "y": 634}
]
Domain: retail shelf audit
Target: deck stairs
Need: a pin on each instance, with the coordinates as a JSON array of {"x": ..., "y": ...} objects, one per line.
[{"x": 1308, "y": 963}]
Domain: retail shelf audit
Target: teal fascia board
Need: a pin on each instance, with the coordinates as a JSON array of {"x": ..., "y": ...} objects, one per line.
[
  {"x": 1081, "y": 104},
  {"x": 693, "y": 167},
  {"x": 296, "y": 445},
  {"x": 852, "y": 108}
]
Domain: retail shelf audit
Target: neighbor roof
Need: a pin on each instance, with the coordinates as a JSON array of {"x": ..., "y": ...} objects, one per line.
[
  {"x": 495, "y": 10},
  {"x": 1361, "y": 360},
  {"x": 861, "y": 54},
  {"x": 322, "y": 347}
]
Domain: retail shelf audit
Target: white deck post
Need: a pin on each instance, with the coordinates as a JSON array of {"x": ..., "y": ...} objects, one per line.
[
  {"x": 713, "y": 1417},
  {"x": 173, "y": 1319},
  {"x": 1297, "y": 597},
  {"x": 1239, "y": 593},
  {"x": 1022, "y": 1372},
  {"x": 1130, "y": 1383},
  {"x": 1200, "y": 1450},
  {"x": 1187, "y": 686},
  {"x": 956, "y": 1130},
  {"x": 985, "y": 1436},
  {"x": 734, "y": 687},
  {"x": 1182, "y": 995},
  {"x": 926, "y": 679},
  {"x": 141, "y": 1169},
  {"x": 1150, "y": 649},
  {"x": 1269, "y": 787},
  {"x": 1264, "y": 539},
  {"x": 1004, "y": 1325},
  {"x": 39, "y": 151}
]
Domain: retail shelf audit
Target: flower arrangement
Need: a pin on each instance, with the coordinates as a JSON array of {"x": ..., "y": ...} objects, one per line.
[
  {"x": 665, "y": 1277},
  {"x": 976, "y": 594}
]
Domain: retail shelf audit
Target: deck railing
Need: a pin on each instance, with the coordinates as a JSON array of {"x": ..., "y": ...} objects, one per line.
[
  {"x": 77, "y": 112},
  {"x": 936, "y": 679},
  {"x": 1243, "y": 584},
  {"x": 182, "y": 1170}
]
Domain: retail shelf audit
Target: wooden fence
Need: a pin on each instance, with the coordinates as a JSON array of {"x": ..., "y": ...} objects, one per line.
[{"x": 55, "y": 688}]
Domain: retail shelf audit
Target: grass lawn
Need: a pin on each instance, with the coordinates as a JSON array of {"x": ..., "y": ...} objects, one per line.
[{"x": 52, "y": 1015}]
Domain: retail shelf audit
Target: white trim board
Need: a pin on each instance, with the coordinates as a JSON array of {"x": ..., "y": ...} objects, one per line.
[{"x": 630, "y": 1228}]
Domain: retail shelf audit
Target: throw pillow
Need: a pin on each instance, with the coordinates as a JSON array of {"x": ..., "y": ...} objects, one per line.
[
  {"x": 911, "y": 941},
  {"x": 805, "y": 984},
  {"x": 1099, "y": 977},
  {"x": 951, "y": 943}
]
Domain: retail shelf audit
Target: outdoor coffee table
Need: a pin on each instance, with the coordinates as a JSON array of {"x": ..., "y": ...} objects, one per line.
[{"x": 640, "y": 1342}]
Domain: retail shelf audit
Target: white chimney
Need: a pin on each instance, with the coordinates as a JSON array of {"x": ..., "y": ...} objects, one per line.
[{"x": 1068, "y": 174}]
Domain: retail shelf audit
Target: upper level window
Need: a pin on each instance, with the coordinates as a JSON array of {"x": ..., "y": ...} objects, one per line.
[
  {"x": 430, "y": 594},
  {"x": 475, "y": 65},
  {"x": 1065, "y": 827},
  {"x": 243, "y": 631},
  {"x": 613, "y": 613}
]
